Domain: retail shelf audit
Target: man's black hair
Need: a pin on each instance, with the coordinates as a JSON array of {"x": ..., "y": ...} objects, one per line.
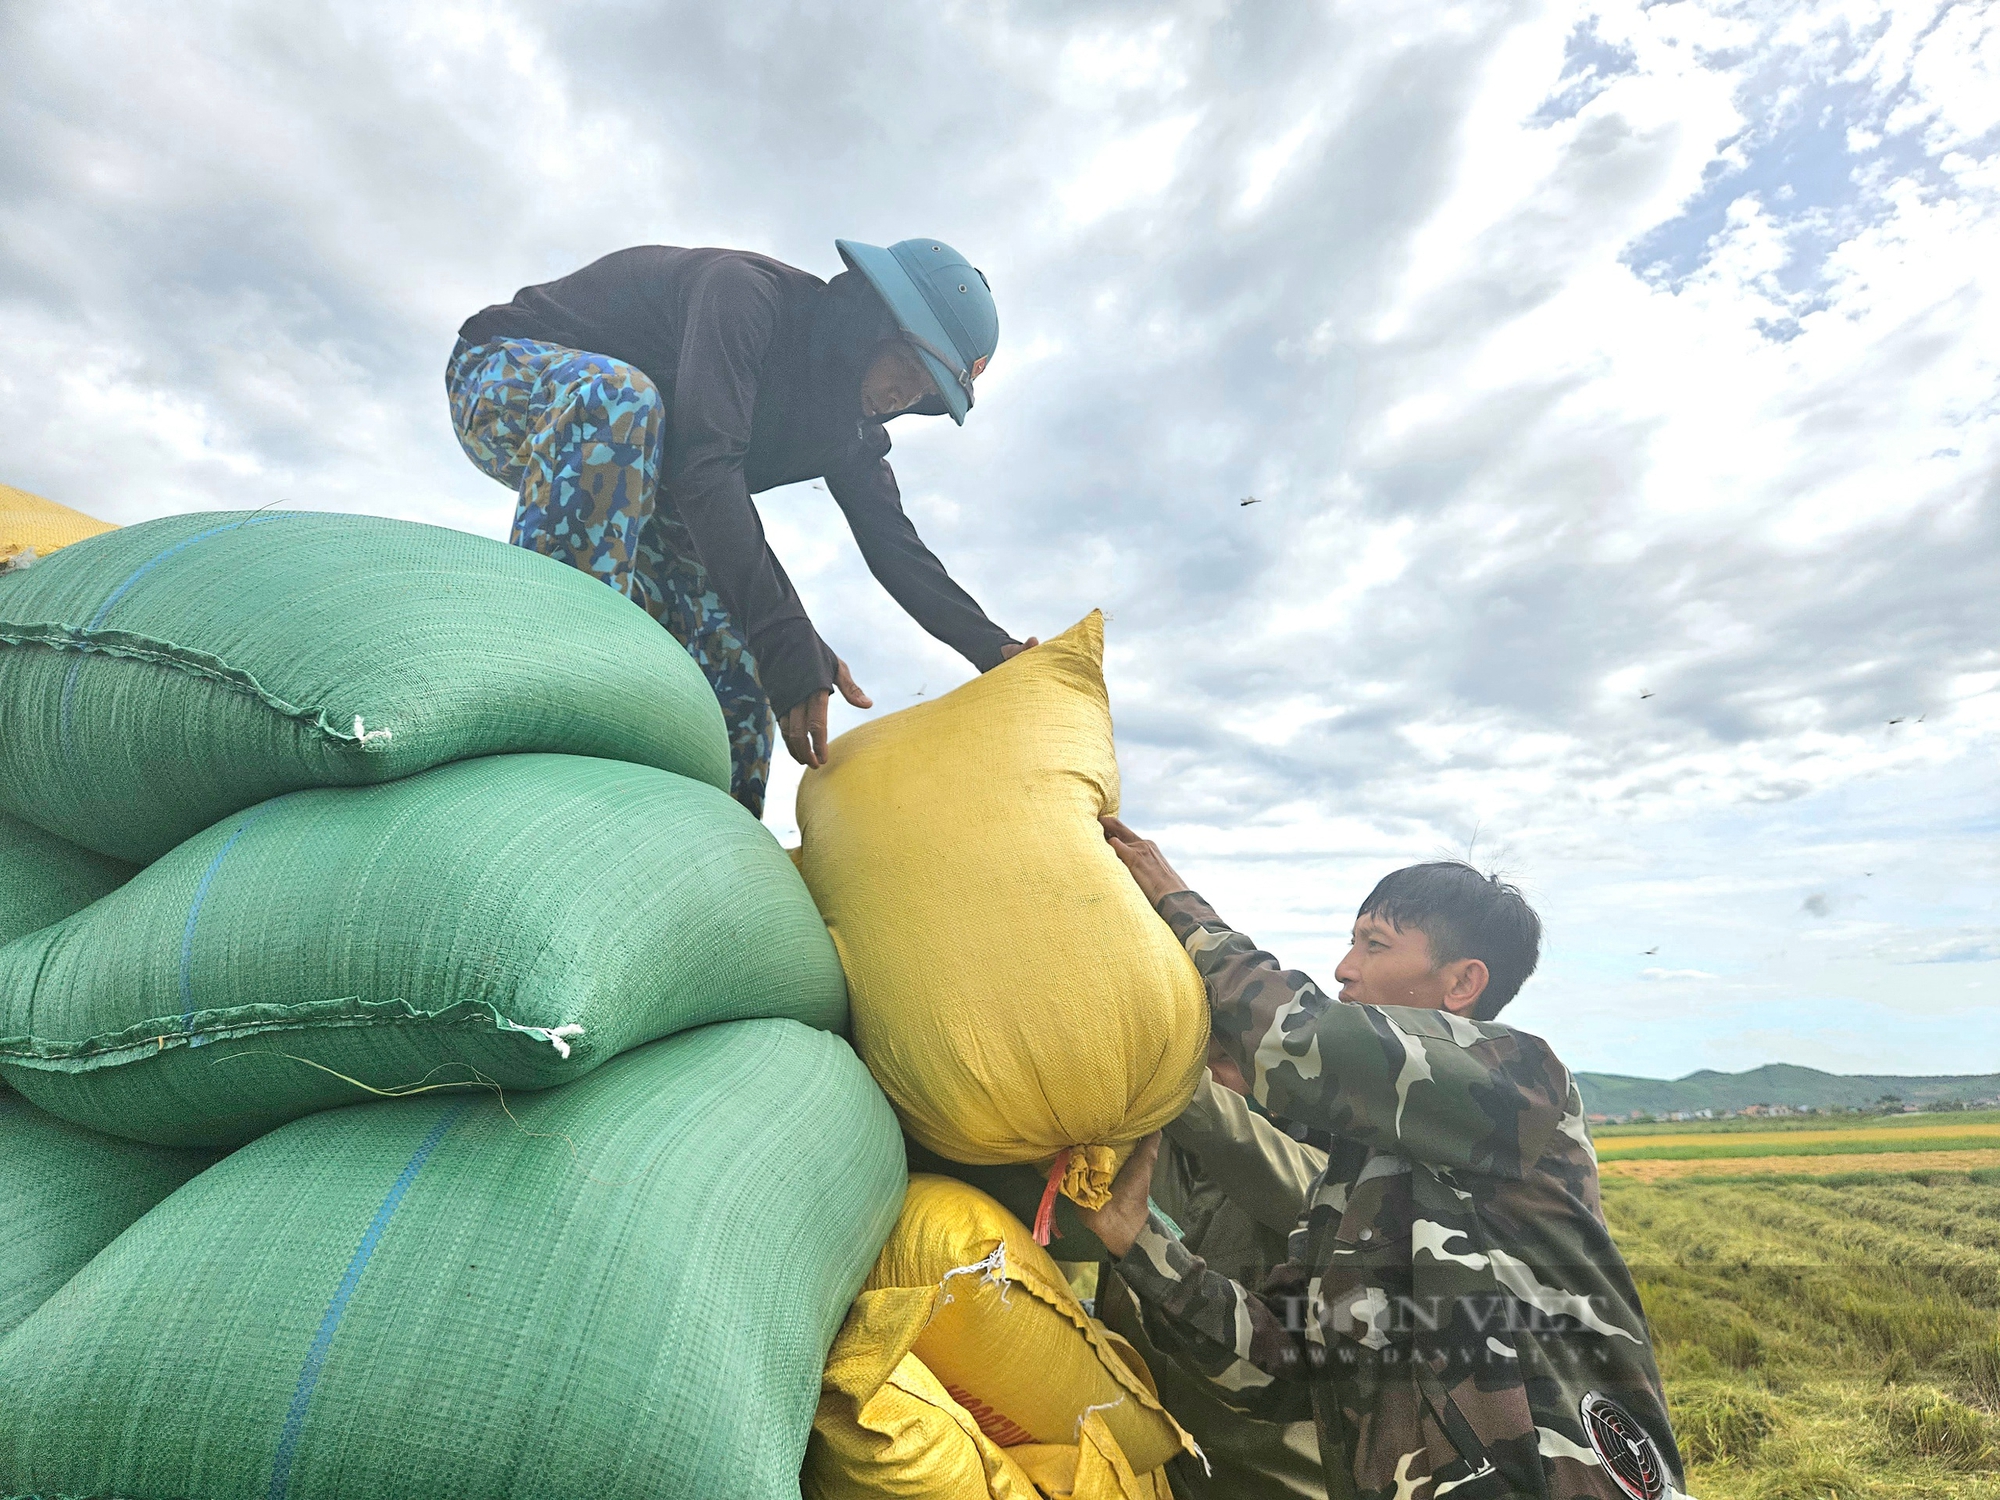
[{"x": 1464, "y": 914}]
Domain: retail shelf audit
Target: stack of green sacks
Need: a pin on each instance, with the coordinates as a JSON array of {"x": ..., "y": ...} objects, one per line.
[
  {"x": 65, "y": 1192},
  {"x": 307, "y": 810}
]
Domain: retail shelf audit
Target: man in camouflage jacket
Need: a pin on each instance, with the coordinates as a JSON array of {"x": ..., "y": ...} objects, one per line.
[
  {"x": 1229, "y": 1183},
  {"x": 1453, "y": 1315}
]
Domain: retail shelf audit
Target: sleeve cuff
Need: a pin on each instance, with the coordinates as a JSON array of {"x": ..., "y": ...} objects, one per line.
[
  {"x": 986, "y": 655},
  {"x": 792, "y": 670},
  {"x": 1157, "y": 1261},
  {"x": 1184, "y": 911}
]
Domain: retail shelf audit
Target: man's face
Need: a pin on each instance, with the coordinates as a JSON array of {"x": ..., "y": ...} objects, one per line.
[
  {"x": 896, "y": 382},
  {"x": 1389, "y": 965}
]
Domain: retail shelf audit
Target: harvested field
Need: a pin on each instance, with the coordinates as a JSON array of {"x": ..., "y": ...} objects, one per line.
[
  {"x": 1800, "y": 1164},
  {"x": 1829, "y": 1337},
  {"x": 1940, "y": 1136}
]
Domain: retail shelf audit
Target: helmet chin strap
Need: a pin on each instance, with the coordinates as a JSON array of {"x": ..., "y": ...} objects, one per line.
[{"x": 949, "y": 361}]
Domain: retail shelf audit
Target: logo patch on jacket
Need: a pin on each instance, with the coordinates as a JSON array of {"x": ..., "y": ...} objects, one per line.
[{"x": 1628, "y": 1454}]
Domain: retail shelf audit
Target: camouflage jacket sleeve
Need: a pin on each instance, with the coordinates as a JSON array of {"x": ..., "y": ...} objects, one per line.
[
  {"x": 1250, "y": 1346},
  {"x": 1259, "y": 1168},
  {"x": 1424, "y": 1085}
]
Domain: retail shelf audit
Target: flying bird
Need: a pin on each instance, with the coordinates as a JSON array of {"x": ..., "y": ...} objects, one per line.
[
  {"x": 1894, "y": 722},
  {"x": 1644, "y": 696},
  {"x": 1652, "y": 950},
  {"x": 1248, "y": 500}
]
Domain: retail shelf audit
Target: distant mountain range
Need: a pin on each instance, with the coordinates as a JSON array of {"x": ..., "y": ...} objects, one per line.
[{"x": 1775, "y": 1083}]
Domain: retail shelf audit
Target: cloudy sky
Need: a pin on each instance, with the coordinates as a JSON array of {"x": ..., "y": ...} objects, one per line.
[{"x": 1618, "y": 383}]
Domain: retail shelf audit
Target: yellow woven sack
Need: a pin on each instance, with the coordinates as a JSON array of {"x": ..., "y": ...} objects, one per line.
[
  {"x": 1012, "y": 991},
  {"x": 900, "y": 1436},
  {"x": 1091, "y": 1468},
  {"x": 28, "y": 522},
  {"x": 904, "y": 1437},
  {"x": 991, "y": 1316}
]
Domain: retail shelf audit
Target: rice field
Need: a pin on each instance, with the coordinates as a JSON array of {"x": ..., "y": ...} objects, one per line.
[
  {"x": 1828, "y": 1165},
  {"x": 1850, "y": 1141},
  {"x": 1824, "y": 1331}
]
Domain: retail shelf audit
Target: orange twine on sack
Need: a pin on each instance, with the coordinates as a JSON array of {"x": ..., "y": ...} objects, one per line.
[{"x": 1045, "y": 1215}]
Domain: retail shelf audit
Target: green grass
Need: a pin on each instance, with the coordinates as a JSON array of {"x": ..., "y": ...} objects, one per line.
[
  {"x": 1825, "y": 1337},
  {"x": 1759, "y": 1123}
]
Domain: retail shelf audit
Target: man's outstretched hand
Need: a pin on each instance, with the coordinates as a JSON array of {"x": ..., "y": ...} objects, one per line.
[
  {"x": 1118, "y": 1223},
  {"x": 1142, "y": 857},
  {"x": 804, "y": 727}
]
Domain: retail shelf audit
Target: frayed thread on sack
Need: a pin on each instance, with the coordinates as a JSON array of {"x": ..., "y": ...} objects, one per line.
[
  {"x": 363, "y": 736},
  {"x": 1085, "y": 1416},
  {"x": 150, "y": 1037},
  {"x": 556, "y": 1036},
  {"x": 992, "y": 1271}
]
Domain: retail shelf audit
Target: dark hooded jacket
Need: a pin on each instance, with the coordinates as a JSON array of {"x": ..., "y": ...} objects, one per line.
[{"x": 759, "y": 369}]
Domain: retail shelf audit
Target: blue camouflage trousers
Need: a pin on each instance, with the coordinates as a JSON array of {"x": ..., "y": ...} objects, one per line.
[{"x": 579, "y": 437}]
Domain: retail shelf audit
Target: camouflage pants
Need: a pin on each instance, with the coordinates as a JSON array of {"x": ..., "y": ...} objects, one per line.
[{"x": 578, "y": 437}]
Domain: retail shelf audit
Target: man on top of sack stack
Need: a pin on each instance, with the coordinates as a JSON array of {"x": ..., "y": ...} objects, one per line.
[
  {"x": 635, "y": 406},
  {"x": 1453, "y": 1314}
]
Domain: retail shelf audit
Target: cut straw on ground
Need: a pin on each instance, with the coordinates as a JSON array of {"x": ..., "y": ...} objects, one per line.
[{"x": 1824, "y": 1165}]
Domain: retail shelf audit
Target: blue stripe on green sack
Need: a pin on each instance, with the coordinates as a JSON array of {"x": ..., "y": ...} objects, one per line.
[
  {"x": 329, "y": 1323},
  {"x": 194, "y": 913},
  {"x": 63, "y": 715}
]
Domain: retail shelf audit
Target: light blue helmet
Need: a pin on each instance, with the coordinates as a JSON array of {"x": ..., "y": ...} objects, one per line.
[{"x": 943, "y": 305}]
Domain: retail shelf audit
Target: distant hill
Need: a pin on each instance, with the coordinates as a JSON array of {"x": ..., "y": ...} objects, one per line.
[{"x": 1775, "y": 1083}]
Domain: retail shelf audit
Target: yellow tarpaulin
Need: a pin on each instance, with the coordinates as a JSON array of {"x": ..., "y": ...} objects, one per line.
[{"x": 30, "y": 523}]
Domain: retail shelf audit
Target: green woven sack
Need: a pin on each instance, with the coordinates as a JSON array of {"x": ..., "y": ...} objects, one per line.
[
  {"x": 156, "y": 679},
  {"x": 43, "y": 879},
  {"x": 517, "y": 919},
  {"x": 623, "y": 1289},
  {"x": 66, "y": 1193}
]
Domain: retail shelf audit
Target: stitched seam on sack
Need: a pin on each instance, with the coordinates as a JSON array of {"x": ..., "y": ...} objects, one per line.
[
  {"x": 149, "y": 1038},
  {"x": 174, "y": 657},
  {"x": 63, "y": 716},
  {"x": 329, "y": 1323}
]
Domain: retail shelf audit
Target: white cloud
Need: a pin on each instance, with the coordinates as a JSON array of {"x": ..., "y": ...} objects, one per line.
[
  {"x": 1974, "y": 946},
  {"x": 1126, "y": 169},
  {"x": 1574, "y": 353},
  {"x": 1268, "y": 162}
]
